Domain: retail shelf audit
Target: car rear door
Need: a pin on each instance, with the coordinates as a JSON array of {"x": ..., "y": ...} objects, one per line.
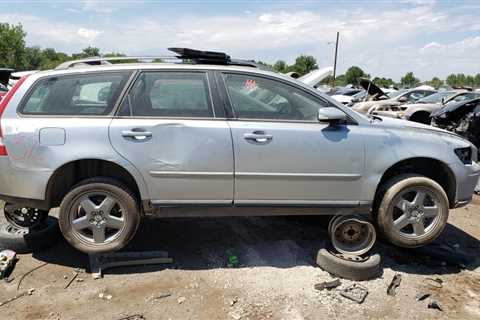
[
  {"x": 283, "y": 154},
  {"x": 170, "y": 129}
]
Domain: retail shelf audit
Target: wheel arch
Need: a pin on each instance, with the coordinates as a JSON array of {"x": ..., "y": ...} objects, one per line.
[
  {"x": 431, "y": 168},
  {"x": 71, "y": 173}
]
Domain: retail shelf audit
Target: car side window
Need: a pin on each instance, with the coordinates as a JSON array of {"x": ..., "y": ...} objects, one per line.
[
  {"x": 254, "y": 97},
  {"x": 169, "y": 94},
  {"x": 79, "y": 94}
]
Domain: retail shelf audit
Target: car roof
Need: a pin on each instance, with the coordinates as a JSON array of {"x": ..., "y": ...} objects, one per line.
[{"x": 158, "y": 66}]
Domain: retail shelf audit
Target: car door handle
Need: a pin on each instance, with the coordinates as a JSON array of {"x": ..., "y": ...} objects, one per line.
[
  {"x": 137, "y": 134},
  {"x": 258, "y": 137}
]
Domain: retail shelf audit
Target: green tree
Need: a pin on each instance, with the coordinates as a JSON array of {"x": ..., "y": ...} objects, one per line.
[
  {"x": 12, "y": 46},
  {"x": 304, "y": 64},
  {"x": 452, "y": 80},
  {"x": 435, "y": 82},
  {"x": 477, "y": 80},
  {"x": 409, "y": 80},
  {"x": 354, "y": 74},
  {"x": 280, "y": 66},
  {"x": 383, "y": 82},
  {"x": 87, "y": 53},
  {"x": 33, "y": 58}
]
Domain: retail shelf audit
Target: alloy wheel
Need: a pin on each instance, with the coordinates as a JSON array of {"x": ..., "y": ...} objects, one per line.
[
  {"x": 97, "y": 218},
  {"x": 415, "y": 212}
]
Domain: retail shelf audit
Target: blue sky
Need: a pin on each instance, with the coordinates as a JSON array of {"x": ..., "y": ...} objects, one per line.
[{"x": 385, "y": 38}]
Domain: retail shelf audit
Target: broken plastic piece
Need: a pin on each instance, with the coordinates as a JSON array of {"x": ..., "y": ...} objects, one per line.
[
  {"x": 397, "y": 279},
  {"x": 434, "y": 305},
  {"x": 7, "y": 260},
  {"x": 355, "y": 292},
  {"x": 329, "y": 285}
]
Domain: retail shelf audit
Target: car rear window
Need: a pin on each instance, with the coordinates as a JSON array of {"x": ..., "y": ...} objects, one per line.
[{"x": 80, "y": 94}]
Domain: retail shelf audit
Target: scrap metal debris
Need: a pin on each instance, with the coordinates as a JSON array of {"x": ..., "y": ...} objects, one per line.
[
  {"x": 329, "y": 285},
  {"x": 14, "y": 298},
  {"x": 71, "y": 280},
  {"x": 355, "y": 292},
  {"x": 422, "y": 296},
  {"x": 162, "y": 296},
  {"x": 434, "y": 305},
  {"x": 29, "y": 272},
  {"x": 133, "y": 317},
  {"x": 7, "y": 261},
  {"x": 100, "y": 262},
  {"x": 397, "y": 279}
]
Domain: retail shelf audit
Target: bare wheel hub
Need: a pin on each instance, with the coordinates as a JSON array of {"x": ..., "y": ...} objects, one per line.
[
  {"x": 352, "y": 235},
  {"x": 24, "y": 217}
]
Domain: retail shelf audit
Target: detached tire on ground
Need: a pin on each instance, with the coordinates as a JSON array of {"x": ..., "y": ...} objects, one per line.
[
  {"x": 99, "y": 215},
  {"x": 358, "y": 270},
  {"x": 413, "y": 211},
  {"x": 23, "y": 240}
]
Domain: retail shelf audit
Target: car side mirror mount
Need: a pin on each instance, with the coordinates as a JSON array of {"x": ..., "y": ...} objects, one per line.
[
  {"x": 402, "y": 99},
  {"x": 443, "y": 101},
  {"x": 331, "y": 115}
]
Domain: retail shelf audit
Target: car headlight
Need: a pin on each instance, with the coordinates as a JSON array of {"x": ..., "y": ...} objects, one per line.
[{"x": 466, "y": 155}]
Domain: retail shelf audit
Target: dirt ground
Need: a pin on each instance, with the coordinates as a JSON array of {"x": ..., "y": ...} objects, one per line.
[{"x": 274, "y": 279}]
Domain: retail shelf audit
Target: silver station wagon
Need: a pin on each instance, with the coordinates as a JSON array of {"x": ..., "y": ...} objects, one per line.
[{"x": 109, "y": 143}]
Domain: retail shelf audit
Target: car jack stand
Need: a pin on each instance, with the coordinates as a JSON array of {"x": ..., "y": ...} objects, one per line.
[{"x": 100, "y": 262}]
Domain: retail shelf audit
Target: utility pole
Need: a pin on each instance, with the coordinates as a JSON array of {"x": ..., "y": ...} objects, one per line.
[{"x": 335, "y": 61}]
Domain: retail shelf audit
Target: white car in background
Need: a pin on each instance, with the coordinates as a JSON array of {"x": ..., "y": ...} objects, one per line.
[
  {"x": 393, "y": 101},
  {"x": 421, "y": 111}
]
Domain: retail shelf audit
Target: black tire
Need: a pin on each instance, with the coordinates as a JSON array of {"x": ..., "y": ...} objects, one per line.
[
  {"x": 358, "y": 270},
  {"x": 29, "y": 240},
  {"x": 384, "y": 216},
  {"x": 123, "y": 197}
]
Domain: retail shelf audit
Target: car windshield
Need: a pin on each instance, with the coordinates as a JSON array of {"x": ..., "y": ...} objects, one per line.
[
  {"x": 396, "y": 93},
  {"x": 437, "y": 97},
  {"x": 359, "y": 96}
]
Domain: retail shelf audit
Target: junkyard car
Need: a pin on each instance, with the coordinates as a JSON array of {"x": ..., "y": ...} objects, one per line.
[
  {"x": 462, "y": 118},
  {"x": 109, "y": 144},
  {"x": 422, "y": 109},
  {"x": 389, "y": 101}
]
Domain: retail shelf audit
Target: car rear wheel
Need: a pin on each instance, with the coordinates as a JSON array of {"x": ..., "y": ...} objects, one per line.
[
  {"x": 99, "y": 215},
  {"x": 413, "y": 211}
]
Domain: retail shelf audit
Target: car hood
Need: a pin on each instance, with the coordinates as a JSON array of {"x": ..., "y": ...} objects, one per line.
[
  {"x": 363, "y": 107},
  {"x": 371, "y": 88},
  {"x": 399, "y": 123}
]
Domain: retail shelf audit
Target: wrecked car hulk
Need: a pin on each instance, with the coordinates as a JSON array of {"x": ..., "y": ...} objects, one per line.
[
  {"x": 462, "y": 118},
  {"x": 112, "y": 143}
]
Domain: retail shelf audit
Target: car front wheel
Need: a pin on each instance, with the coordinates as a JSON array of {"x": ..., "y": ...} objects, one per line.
[
  {"x": 413, "y": 211},
  {"x": 99, "y": 215}
]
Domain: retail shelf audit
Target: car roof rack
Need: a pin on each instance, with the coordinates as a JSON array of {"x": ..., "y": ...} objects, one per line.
[
  {"x": 211, "y": 57},
  {"x": 186, "y": 54}
]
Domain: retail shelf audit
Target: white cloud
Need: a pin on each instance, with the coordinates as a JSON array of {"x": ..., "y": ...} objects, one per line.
[{"x": 89, "y": 34}]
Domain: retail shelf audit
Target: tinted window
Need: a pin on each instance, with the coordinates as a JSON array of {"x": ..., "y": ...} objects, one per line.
[
  {"x": 260, "y": 98},
  {"x": 85, "y": 94},
  {"x": 169, "y": 94}
]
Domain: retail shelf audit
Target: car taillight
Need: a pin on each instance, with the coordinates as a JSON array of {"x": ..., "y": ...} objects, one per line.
[{"x": 3, "y": 105}]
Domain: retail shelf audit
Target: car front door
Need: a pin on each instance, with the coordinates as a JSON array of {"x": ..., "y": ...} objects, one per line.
[
  {"x": 167, "y": 128},
  {"x": 283, "y": 154}
]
